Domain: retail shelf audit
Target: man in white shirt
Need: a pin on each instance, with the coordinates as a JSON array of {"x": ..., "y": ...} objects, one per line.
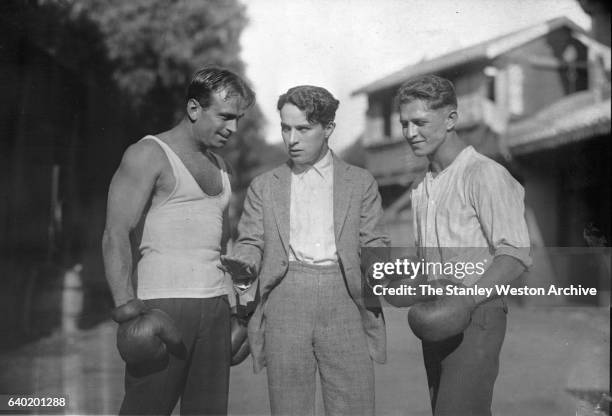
[
  {"x": 302, "y": 231},
  {"x": 467, "y": 209}
]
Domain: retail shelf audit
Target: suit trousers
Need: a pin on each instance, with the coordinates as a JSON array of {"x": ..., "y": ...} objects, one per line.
[
  {"x": 461, "y": 370},
  {"x": 201, "y": 379},
  {"x": 312, "y": 323}
]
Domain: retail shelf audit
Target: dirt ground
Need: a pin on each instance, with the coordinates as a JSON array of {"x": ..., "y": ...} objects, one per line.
[{"x": 547, "y": 352}]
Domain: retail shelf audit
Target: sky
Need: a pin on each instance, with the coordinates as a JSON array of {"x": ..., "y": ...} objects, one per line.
[{"x": 342, "y": 45}]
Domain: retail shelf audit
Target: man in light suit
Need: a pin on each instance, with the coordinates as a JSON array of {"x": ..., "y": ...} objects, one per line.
[{"x": 301, "y": 234}]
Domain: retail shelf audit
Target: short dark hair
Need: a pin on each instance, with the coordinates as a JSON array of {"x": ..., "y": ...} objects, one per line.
[
  {"x": 212, "y": 79},
  {"x": 436, "y": 91},
  {"x": 318, "y": 103}
]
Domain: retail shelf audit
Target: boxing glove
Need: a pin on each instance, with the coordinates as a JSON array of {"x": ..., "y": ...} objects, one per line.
[
  {"x": 442, "y": 317},
  {"x": 240, "y": 341},
  {"x": 146, "y": 334}
]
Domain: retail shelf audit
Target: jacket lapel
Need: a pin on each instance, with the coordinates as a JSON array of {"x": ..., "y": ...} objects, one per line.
[
  {"x": 281, "y": 203},
  {"x": 343, "y": 188}
]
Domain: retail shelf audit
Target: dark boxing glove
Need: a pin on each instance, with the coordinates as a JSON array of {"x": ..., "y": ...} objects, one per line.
[
  {"x": 146, "y": 334},
  {"x": 240, "y": 341},
  {"x": 239, "y": 331},
  {"x": 442, "y": 317}
]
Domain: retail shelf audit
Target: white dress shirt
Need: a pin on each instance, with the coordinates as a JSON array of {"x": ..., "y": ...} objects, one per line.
[{"x": 311, "y": 217}]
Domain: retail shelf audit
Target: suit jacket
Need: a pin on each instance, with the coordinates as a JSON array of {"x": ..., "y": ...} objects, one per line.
[{"x": 263, "y": 240}]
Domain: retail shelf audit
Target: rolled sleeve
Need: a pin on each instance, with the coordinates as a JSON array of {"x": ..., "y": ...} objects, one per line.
[{"x": 498, "y": 200}]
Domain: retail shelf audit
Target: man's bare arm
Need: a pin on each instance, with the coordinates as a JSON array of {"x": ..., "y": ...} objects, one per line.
[
  {"x": 244, "y": 261},
  {"x": 129, "y": 192},
  {"x": 226, "y": 225}
]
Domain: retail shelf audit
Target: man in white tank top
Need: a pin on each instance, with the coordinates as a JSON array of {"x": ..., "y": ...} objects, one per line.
[{"x": 178, "y": 189}]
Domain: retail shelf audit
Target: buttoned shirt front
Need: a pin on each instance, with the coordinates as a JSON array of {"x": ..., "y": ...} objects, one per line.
[
  {"x": 311, "y": 217},
  {"x": 471, "y": 211}
]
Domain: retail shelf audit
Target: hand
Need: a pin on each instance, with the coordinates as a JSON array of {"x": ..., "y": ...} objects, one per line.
[{"x": 242, "y": 272}]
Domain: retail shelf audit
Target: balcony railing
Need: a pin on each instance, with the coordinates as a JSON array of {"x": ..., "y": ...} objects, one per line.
[
  {"x": 394, "y": 162},
  {"x": 474, "y": 109}
]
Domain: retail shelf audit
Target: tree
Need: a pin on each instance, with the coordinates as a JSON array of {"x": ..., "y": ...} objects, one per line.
[{"x": 156, "y": 46}]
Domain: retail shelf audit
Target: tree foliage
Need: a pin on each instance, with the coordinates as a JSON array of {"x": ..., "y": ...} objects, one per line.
[
  {"x": 160, "y": 42},
  {"x": 156, "y": 46},
  {"x": 147, "y": 50},
  {"x": 55, "y": 27}
]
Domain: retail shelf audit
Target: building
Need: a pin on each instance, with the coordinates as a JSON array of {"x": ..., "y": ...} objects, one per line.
[{"x": 538, "y": 101}]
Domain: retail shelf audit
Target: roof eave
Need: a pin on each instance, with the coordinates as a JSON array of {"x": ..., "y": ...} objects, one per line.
[{"x": 487, "y": 50}]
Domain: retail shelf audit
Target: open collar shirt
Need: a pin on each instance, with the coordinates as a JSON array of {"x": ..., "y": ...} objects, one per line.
[
  {"x": 471, "y": 211},
  {"x": 311, "y": 217}
]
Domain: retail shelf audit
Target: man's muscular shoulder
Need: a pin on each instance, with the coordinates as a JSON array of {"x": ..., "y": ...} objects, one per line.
[
  {"x": 145, "y": 165},
  {"x": 146, "y": 155}
]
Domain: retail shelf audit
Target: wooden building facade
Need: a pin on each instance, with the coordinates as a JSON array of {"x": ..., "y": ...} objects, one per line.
[{"x": 538, "y": 101}]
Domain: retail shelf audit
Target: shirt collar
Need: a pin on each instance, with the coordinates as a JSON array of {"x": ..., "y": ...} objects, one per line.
[
  {"x": 463, "y": 155},
  {"x": 324, "y": 167}
]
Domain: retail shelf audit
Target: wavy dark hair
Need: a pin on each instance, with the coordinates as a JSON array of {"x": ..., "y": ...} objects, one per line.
[
  {"x": 318, "y": 103},
  {"x": 436, "y": 91}
]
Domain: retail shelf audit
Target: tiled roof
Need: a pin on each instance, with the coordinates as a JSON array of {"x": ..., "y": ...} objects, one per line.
[
  {"x": 485, "y": 50},
  {"x": 573, "y": 118}
]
